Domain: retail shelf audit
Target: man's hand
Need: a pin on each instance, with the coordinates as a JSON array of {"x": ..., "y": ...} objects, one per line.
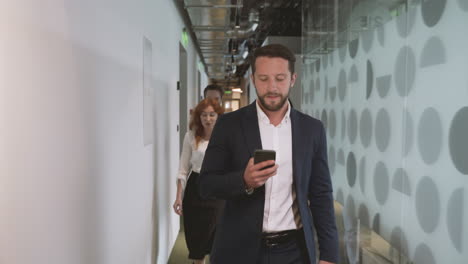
[{"x": 254, "y": 174}]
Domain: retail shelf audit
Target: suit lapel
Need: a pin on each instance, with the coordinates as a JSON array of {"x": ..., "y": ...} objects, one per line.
[{"x": 251, "y": 129}]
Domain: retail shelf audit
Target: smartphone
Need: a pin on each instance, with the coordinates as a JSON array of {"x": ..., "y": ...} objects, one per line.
[{"x": 263, "y": 155}]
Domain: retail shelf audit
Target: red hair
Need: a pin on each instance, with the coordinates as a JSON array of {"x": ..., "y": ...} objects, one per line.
[{"x": 195, "y": 122}]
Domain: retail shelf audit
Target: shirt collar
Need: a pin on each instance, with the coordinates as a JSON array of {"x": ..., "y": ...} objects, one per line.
[{"x": 262, "y": 117}]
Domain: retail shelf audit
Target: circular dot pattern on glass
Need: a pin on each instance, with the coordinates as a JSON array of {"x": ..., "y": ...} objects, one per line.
[
  {"x": 340, "y": 157},
  {"x": 332, "y": 93},
  {"x": 367, "y": 39},
  {"x": 455, "y": 221},
  {"x": 363, "y": 214},
  {"x": 342, "y": 85},
  {"x": 433, "y": 53},
  {"x": 398, "y": 240},
  {"x": 332, "y": 124},
  {"x": 362, "y": 174},
  {"x": 401, "y": 182},
  {"x": 325, "y": 61},
  {"x": 432, "y": 11},
  {"x": 317, "y": 84},
  {"x": 458, "y": 142},
  {"x": 366, "y": 128},
  {"x": 383, "y": 84},
  {"x": 317, "y": 65},
  {"x": 463, "y": 4},
  {"x": 351, "y": 169},
  {"x": 427, "y": 204},
  {"x": 405, "y": 22},
  {"x": 332, "y": 159},
  {"x": 408, "y": 131},
  {"x": 324, "y": 118},
  {"x": 381, "y": 183},
  {"x": 352, "y": 126},
  {"x": 423, "y": 255},
  {"x": 370, "y": 79},
  {"x": 350, "y": 211},
  {"x": 430, "y": 136},
  {"x": 353, "y": 48},
  {"x": 353, "y": 74},
  {"x": 343, "y": 124},
  {"x": 405, "y": 71},
  {"x": 342, "y": 53},
  {"x": 325, "y": 89},
  {"x": 382, "y": 130},
  {"x": 340, "y": 196}
]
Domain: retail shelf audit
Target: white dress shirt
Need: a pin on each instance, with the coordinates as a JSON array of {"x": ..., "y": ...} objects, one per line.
[
  {"x": 191, "y": 158},
  {"x": 278, "y": 214}
]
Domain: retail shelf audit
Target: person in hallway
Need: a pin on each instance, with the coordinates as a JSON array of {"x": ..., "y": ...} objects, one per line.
[
  {"x": 214, "y": 91},
  {"x": 200, "y": 215},
  {"x": 270, "y": 214}
]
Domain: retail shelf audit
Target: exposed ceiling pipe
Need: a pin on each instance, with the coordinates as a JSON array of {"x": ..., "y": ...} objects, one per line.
[{"x": 238, "y": 33}]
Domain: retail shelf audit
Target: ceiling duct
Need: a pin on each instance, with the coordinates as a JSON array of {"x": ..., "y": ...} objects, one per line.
[{"x": 238, "y": 33}]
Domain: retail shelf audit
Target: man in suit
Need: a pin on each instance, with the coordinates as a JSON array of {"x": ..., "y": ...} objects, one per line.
[{"x": 270, "y": 213}]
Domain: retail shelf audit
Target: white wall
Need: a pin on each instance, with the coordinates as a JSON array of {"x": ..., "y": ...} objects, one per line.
[{"x": 77, "y": 185}]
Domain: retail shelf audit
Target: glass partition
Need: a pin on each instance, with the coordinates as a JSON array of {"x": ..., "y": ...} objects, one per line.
[{"x": 389, "y": 79}]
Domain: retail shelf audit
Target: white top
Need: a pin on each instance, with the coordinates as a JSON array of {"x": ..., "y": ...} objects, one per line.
[
  {"x": 278, "y": 214},
  {"x": 191, "y": 158}
]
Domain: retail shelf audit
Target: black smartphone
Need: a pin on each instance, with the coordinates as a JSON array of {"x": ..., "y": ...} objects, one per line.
[{"x": 264, "y": 154}]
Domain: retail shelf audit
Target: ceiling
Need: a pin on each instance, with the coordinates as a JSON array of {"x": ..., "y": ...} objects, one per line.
[{"x": 227, "y": 31}]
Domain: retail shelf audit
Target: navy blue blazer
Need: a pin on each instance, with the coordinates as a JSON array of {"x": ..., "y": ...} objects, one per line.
[{"x": 238, "y": 235}]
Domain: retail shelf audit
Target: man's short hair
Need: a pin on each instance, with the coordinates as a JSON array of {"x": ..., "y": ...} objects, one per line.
[
  {"x": 213, "y": 87},
  {"x": 274, "y": 51}
]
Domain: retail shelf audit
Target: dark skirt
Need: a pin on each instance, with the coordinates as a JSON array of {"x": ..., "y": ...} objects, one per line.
[{"x": 200, "y": 217}]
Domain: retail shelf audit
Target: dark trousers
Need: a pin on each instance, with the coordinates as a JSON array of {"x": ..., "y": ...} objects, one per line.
[{"x": 292, "y": 252}]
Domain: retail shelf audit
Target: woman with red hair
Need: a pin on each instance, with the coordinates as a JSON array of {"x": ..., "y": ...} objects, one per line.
[{"x": 200, "y": 215}]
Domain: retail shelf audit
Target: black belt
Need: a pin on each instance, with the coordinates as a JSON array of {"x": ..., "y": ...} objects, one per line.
[{"x": 279, "y": 238}]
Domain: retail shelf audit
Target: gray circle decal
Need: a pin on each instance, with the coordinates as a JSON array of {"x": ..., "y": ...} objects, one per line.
[
  {"x": 463, "y": 4},
  {"x": 330, "y": 60},
  {"x": 325, "y": 89},
  {"x": 343, "y": 125},
  {"x": 405, "y": 22},
  {"x": 353, "y": 48},
  {"x": 351, "y": 169},
  {"x": 350, "y": 211},
  {"x": 332, "y": 123},
  {"x": 367, "y": 40},
  {"x": 423, "y": 255},
  {"x": 317, "y": 65},
  {"x": 401, "y": 182},
  {"x": 398, "y": 241},
  {"x": 408, "y": 131},
  {"x": 324, "y": 119},
  {"x": 427, "y": 204},
  {"x": 457, "y": 140},
  {"x": 381, "y": 183},
  {"x": 432, "y": 11},
  {"x": 353, "y": 74},
  {"x": 363, "y": 214},
  {"x": 455, "y": 218},
  {"x": 405, "y": 71},
  {"x": 362, "y": 174},
  {"x": 433, "y": 53},
  {"x": 376, "y": 223},
  {"x": 383, "y": 85},
  {"x": 352, "y": 126},
  {"x": 370, "y": 79},
  {"x": 382, "y": 130},
  {"x": 340, "y": 196},
  {"x": 342, "y": 53},
  {"x": 332, "y": 159},
  {"x": 340, "y": 157},
  {"x": 366, "y": 128},
  {"x": 317, "y": 84},
  {"x": 430, "y": 136},
  {"x": 332, "y": 93},
  {"x": 342, "y": 85}
]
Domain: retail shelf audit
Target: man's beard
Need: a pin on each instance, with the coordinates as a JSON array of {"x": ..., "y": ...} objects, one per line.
[{"x": 272, "y": 108}]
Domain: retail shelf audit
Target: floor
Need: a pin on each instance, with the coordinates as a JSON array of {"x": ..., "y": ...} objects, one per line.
[{"x": 179, "y": 254}]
